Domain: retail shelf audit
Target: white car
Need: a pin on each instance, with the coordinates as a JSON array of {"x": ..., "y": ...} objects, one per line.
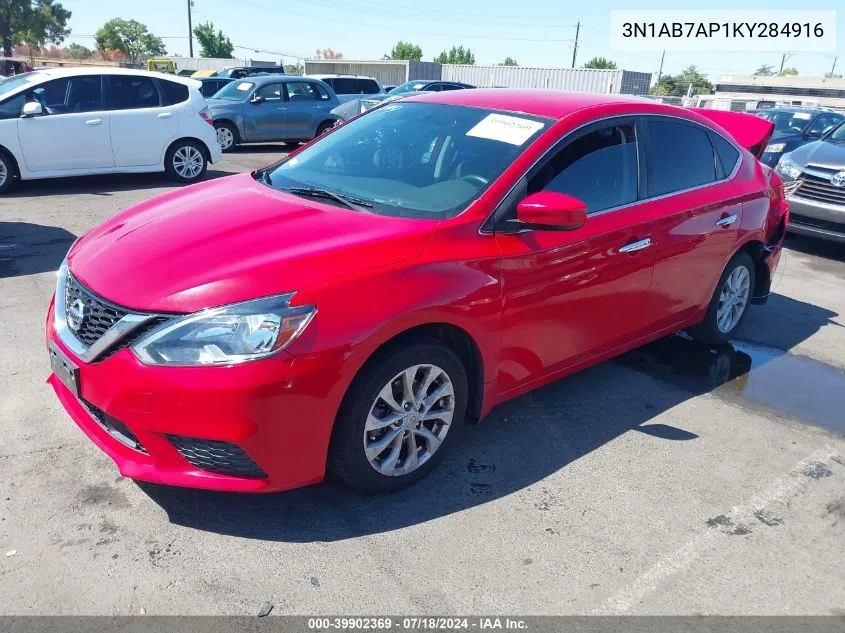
[
  {"x": 349, "y": 87},
  {"x": 80, "y": 121}
]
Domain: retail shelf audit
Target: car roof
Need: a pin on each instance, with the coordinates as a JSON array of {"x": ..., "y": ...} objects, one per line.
[
  {"x": 800, "y": 109},
  {"x": 341, "y": 76},
  {"x": 554, "y": 104},
  {"x": 56, "y": 73},
  {"x": 267, "y": 79}
]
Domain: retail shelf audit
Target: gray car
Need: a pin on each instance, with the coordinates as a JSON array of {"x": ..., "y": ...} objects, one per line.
[
  {"x": 272, "y": 108},
  {"x": 814, "y": 181}
]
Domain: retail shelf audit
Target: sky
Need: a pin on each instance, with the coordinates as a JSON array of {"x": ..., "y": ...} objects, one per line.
[{"x": 534, "y": 32}]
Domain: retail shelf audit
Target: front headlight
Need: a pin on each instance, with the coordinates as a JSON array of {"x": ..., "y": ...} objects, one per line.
[
  {"x": 774, "y": 148},
  {"x": 227, "y": 335},
  {"x": 788, "y": 167}
]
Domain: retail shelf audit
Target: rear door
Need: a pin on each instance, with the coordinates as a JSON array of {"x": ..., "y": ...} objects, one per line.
[
  {"x": 73, "y": 133},
  {"x": 143, "y": 124},
  {"x": 698, "y": 212}
]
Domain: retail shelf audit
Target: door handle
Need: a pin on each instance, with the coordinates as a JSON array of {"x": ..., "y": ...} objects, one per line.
[
  {"x": 727, "y": 221},
  {"x": 93, "y": 122},
  {"x": 165, "y": 115},
  {"x": 635, "y": 246}
]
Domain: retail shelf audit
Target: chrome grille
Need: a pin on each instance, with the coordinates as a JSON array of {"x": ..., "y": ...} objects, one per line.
[
  {"x": 99, "y": 317},
  {"x": 817, "y": 186}
]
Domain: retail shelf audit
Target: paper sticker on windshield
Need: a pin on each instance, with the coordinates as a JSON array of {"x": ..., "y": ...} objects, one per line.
[
  {"x": 504, "y": 128},
  {"x": 244, "y": 85},
  {"x": 801, "y": 116}
]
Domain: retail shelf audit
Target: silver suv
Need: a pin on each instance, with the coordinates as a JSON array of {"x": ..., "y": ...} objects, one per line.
[{"x": 814, "y": 180}]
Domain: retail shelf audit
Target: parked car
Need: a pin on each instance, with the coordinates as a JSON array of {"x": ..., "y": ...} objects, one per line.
[
  {"x": 13, "y": 66},
  {"x": 349, "y": 87},
  {"x": 272, "y": 108},
  {"x": 212, "y": 85},
  {"x": 422, "y": 85},
  {"x": 354, "y": 304},
  {"x": 814, "y": 178},
  {"x": 388, "y": 88},
  {"x": 79, "y": 121},
  {"x": 239, "y": 72},
  {"x": 795, "y": 127}
]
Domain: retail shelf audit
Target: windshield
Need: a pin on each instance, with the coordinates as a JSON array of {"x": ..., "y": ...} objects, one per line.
[
  {"x": 409, "y": 86},
  {"x": 14, "y": 82},
  {"x": 838, "y": 134},
  {"x": 235, "y": 91},
  {"x": 787, "y": 121},
  {"x": 413, "y": 160}
]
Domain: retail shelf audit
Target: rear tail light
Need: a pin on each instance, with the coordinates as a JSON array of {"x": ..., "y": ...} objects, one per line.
[{"x": 205, "y": 114}]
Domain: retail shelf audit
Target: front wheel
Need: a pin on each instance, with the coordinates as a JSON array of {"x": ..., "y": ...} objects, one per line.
[
  {"x": 185, "y": 162},
  {"x": 401, "y": 412},
  {"x": 7, "y": 172},
  {"x": 729, "y": 305}
]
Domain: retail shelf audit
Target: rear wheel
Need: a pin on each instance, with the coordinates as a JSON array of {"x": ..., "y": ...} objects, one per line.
[
  {"x": 7, "y": 171},
  {"x": 729, "y": 305},
  {"x": 324, "y": 127},
  {"x": 185, "y": 161},
  {"x": 402, "y": 411},
  {"x": 227, "y": 136}
]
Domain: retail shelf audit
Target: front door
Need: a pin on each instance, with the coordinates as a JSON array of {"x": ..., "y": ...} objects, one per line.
[
  {"x": 302, "y": 109},
  {"x": 73, "y": 133},
  {"x": 571, "y": 295},
  {"x": 265, "y": 114}
]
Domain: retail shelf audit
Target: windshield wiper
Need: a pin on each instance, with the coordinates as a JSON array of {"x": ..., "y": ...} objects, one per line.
[{"x": 315, "y": 192}]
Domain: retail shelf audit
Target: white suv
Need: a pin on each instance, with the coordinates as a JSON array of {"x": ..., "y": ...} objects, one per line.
[
  {"x": 349, "y": 87},
  {"x": 80, "y": 121}
]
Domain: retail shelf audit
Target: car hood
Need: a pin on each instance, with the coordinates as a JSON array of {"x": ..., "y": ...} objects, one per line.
[
  {"x": 230, "y": 240},
  {"x": 821, "y": 154},
  {"x": 221, "y": 104},
  {"x": 784, "y": 136}
]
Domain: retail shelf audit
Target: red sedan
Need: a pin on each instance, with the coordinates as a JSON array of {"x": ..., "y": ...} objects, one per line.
[{"x": 353, "y": 305}]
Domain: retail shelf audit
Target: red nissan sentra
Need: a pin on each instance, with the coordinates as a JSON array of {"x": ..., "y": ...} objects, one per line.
[{"x": 353, "y": 305}]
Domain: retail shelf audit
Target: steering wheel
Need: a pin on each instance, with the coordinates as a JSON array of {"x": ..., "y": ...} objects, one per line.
[{"x": 475, "y": 179}]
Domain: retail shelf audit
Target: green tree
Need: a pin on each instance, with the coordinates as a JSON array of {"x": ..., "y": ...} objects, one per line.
[
  {"x": 213, "y": 44},
  {"x": 765, "y": 71},
  {"x": 405, "y": 50},
  {"x": 32, "y": 22},
  {"x": 458, "y": 55},
  {"x": 294, "y": 69},
  {"x": 130, "y": 37},
  {"x": 788, "y": 72},
  {"x": 601, "y": 62},
  {"x": 510, "y": 61},
  {"x": 677, "y": 85},
  {"x": 77, "y": 51}
]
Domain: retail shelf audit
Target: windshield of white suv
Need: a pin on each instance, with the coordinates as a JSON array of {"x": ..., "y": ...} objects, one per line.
[
  {"x": 235, "y": 91},
  {"x": 412, "y": 160}
]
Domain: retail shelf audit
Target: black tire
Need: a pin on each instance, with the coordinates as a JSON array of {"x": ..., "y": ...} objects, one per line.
[
  {"x": 7, "y": 171},
  {"x": 708, "y": 331},
  {"x": 347, "y": 458},
  {"x": 324, "y": 127},
  {"x": 232, "y": 130},
  {"x": 176, "y": 151}
]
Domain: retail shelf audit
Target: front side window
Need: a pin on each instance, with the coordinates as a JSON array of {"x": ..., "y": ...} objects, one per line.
[
  {"x": 129, "y": 92},
  {"x": 70, "y": 95},
  {"x": 412, "y": 160},
  {"x": 270, "y": 92},
  {"x": 300, "y": 91},
  {"x": 680, "y": 156},
  {"x": 824, "y": 123},
  {"x": 599, "y": 168}
]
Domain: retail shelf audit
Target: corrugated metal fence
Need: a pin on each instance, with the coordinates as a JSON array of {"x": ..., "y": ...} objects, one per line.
[
  {"x": 390, "y": 72},
  {"x": 572, "y": 79}
]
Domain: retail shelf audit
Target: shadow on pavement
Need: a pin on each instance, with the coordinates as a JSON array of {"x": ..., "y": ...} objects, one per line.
[
  {"x": 814, "y": 246},
  {"x": 526, "y": 440},
  {"x": 29, "y": 249}
]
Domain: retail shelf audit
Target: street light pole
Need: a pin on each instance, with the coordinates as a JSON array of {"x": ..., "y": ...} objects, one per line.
[{"x": 190, "y": 32}]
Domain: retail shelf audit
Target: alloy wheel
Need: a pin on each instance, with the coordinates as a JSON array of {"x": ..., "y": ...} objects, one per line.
[
  {"x": 4, "y": 173},
  {"x": 225, "y": 137},
  {"x": 409, "y": 420},
  {"x": 188, "y": 162},
  {"x": 733, "y": 299}
]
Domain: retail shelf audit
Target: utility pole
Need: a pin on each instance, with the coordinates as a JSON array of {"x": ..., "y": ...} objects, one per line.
[
  {"x": 575, "y": 48},
  {"x": 783, "y": 59},
  {"x": 660, "y": 72},
  {"x": 190, "y": 32},
  {"x": 832, "y": 68}
]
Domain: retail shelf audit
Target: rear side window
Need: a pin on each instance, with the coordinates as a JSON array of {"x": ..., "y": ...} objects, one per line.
[
  {"x": 300, "y": 91},
  {"x": 329, "y": 81},
  {"x": 727, "y": 153},
  {"x": 345, "y": 85},
  {"x": 680, "y": 157},
  {"x": 127, "y": 92},
  {"x": 368, "y": 86},
  {"x": 174, "y": 93},
  {"x": 322, "y": 94},
  {"x": 599, "y": 168}
]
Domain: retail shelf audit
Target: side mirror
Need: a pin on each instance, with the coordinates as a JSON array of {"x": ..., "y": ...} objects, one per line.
[
  {"x": 256, "y": 99},
  {"x": 813, "y": 134},
  {"x": 551, "y": 211},
  {"x": 32, "y": 108}
]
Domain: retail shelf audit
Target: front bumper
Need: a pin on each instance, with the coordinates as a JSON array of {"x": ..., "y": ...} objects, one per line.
[
  {"x": 278, "y": 411},
  {"x": 817, "y": 219}
]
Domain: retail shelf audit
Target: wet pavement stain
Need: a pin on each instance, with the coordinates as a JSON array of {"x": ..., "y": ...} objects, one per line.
[
  {"x": 477, "y": 467},
  {"x": 726, "y": 525},
  {"x": 767, "y": 518},
  {"x": 756, "y": 376}
]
